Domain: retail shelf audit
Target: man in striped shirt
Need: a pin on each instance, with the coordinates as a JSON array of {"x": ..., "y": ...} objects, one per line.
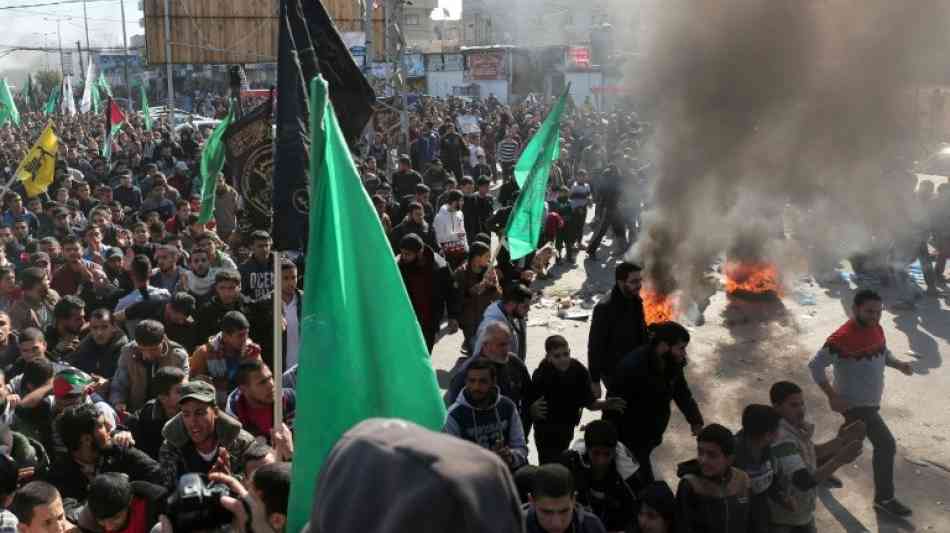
[{"x": 507, "y": 153}]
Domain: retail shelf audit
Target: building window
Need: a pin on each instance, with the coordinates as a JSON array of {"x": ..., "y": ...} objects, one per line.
[{"x": 412, "y": 20}]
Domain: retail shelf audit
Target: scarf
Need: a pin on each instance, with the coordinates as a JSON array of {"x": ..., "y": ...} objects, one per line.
[{"x": 853, "y": 341}]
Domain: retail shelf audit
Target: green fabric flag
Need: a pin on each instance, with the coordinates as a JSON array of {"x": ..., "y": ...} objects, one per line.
[
  {"x": 103, "y": 83},
  {"x": 52, "y": 103},
  {"x": 28, "y": 93},
  {"x": 362, "y": 352},
  {"x": 212, "y": 161},
  {"x": 531, "y": 173},
  {"x": 9, "y": 110},
  {"x": 146, "y": 117}
]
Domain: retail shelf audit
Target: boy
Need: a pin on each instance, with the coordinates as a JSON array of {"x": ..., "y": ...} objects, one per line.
[
  {"x": 713, "y": 496},
  {"x": 753, "y": 456},
  {"x": 553, "y": 505},
  {"x": 562, "y": 388}
]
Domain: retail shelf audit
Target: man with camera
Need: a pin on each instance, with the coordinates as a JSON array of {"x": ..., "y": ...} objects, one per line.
[{"x": 201, "y": 438}]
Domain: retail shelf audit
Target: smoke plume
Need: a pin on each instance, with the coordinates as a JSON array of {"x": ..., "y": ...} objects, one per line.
[{"x": 759, "y": 104}]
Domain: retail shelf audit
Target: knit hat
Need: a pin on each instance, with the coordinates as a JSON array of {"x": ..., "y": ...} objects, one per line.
[{"x": 70, "y": 382}]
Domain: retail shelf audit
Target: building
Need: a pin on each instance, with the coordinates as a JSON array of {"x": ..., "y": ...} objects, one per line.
[
  {"x": 418, "y": 27},
  {"x": 530, "y": 22}
]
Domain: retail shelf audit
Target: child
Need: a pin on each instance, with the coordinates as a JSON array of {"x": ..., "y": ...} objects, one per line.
[
  {"x": 713, "y": 496},
  {"x": 561, "y": 386}
]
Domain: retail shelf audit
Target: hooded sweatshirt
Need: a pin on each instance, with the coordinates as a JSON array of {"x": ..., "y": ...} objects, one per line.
[
  {"x": 447, "y": 225},
  {"x": 422, "y": 481},
  {"x": 487, "y": 426}
]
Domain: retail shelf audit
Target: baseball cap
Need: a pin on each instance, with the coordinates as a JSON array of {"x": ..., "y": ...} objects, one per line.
[
  {"x": 201, "y": 391},
  {"x": 404, "y": 158}
]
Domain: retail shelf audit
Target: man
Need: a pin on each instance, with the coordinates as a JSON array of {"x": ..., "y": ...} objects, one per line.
[
  {"x": 219, "y": 259},
  {"x": 858, "y": 352},
  {"x": 35, "y": 310},
  {"x": 477, "y": 209},
  {"x": 405, "y": 178},
  {"x": 449, "y": 225},
  {"x": 139, "y": 361},
  {"x": 218, "y": 359},
  {"x": 553, "y": 504},
  {"x": 169, "y": 276},
  {"x": 227, "y": 297},
  {"x": 118, "y": 504},
  {"x": 90, "y": 452},
  {"x": 512, "y": 310},
  {"x": 617, "y": 326},
  {"x": 452, "y": 151},
  {"x": 39, "y": 509},
  {"x": 482, "y": 415},
  {"x": 126, "y": 193},
  {"x": 227, "y": 204},
  {"x": 803, "y": 465},
  {"x": 81, "y": 277},
  {"x": 201, "y": 437},
  {"x": 512, "y": 375},
  {"x": 141, "y": 272},
  {"x": 98, "y": 352},
  {"x": 415, "y": 222},
  {"x": 431, "y": 287},
  {"x": 252, "y": 403},
  {"x": 262, "y": 328},
  {"x": 257, "y": 273},
  {"x": 9, "y": 480},
  {"x": 15, "y": 210},
  {"x": 200, "y": 280},
  {"x": 606, "y": 475},
  {"x": 96, "y": 249},
  {"x": 175, "y": 314},
  {"x": 425, "y": 148},
  {"x": 609, "y": 192},
  {"x": 508, "y": 151},
  {"x": 434, "y": 179},
  {"x": 146, "y": 423},
  {"x": 9, "y": 291},
  {"x": 754, "y": 441},
  {"x": 68, "y": 328}
]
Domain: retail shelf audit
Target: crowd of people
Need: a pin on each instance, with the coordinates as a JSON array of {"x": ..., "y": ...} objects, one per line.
[{"x": 137, "y": 345}]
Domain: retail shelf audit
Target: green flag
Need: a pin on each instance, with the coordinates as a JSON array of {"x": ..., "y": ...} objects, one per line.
[
  {"x": 362, "y": 352},
  {"x": 28, "y": 93},
  {"x": 146, "y": 116},
  {"x": 531, "y": 173},
  {"x": 52, "y": 103},
  {"x": 103, "y": 84},
  {"x": 8, "y": 111},
  {"x": 212, "y": 161}
]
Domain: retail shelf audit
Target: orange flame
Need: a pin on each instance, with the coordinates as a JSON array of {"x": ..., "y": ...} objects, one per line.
[
  {"x": 756, "y": 278},
  {"x": 658, "y": 307}
]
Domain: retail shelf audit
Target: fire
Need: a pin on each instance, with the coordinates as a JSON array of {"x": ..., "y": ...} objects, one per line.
[
  {"x": 758, "y": 277},
  {"x": 658, "y": 307}
]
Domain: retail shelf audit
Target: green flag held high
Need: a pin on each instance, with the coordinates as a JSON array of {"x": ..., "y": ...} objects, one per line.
[
  {"x": 146, "y": 117},
  {"x": 531, "y": 173},
  {"x": 103, "y": 84},
  {"x": 52, "y": 103},
  {"x": 212, "y": 161},
  {"x": 362, "y": 352},
  {"x": 8, "y": 110},
  {"x": 28, "y": 93}
]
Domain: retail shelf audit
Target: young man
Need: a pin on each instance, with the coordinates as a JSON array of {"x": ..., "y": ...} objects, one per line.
[
  {"x": 77, "y": 273},
  {"x": 218, "y": 360},
  {"x": 858, "y": 353},
  {"x": 69, "y": 324},
  {"x": 138, "y": 363},
  {"x": 257, "y": 273},
  {"x": 449, "y": 227},
  {"x": 413, "y": 223},
  {"x": 431, "y": 288},
  {"x": 512, "y": 310},
  {"x": 262, "y": 323},
  {"x": 252, "y": 403},
  {"x": 36, "y": 308},
  {"x": 803, "y": 464},
  {"x": 146, "y": 424},
  {"x": 201, "y": 437},
  {"x": 141, "y": 272},
  {"x": 553, "y": 504},
  {"x": 98, "y": 353},
  {"x": 617, "y": 325},
  {"x": 713, "y": 496},
  {"x": 175, "y": 314},
  {"x": 227, "y": 297},
  {"x": 39, "y": 509},
  {"x": 478, "y": 289},
  {"x": 483, "y": 416},
  {"x": 118, "y": 505},
  {"x": 760, "y": 425},
  {"x": 199, "y": 280},
  {"x": 169, "y": 276},
  {"x": 90, "y": 450},
  {"x": 606, "y": 475}
]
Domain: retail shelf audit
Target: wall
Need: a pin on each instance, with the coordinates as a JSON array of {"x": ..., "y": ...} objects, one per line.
[
  {"x": 497, "y": 87},
  {"x": 441, "y": 83}
]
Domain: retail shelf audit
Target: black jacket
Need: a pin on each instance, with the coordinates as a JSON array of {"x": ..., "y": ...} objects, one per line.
[
  {"x": 648, "y": 384},
  {"x": 567, "y": 393},
  {"x": 150, "y": 496},
  {"x": 617, "y": 328},
  {"x": 712, "y": 506},
  {"x": 406, "y": 227},
  {"x": 614, "y": 498},
  {"x": 98, "y": 360},
  {"x": 583, "y": 521},
  {"x": 146, "y": 426},
  {"x": 477, "y": 211},
  {"x": 208, "y": 318}
]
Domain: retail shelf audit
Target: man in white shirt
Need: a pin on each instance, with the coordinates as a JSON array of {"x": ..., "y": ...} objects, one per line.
[{"x": 449, "y": 225}]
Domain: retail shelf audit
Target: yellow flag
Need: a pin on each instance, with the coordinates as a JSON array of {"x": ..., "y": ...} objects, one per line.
[{"x": 37, "y": 168}]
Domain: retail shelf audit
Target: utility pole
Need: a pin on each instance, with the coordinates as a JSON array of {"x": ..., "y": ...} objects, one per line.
[
  {"x": 62, "y": 60},
  {"x": 397, "y": 21},
  {"x": 82, "y": 67},
  {"x": 125, "y": 55},
  {"x": 368, "y": 30},
  {"x": 168, "y": 64}
]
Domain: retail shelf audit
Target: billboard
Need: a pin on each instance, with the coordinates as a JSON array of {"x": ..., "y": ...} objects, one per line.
[{"x": 486, "y": 66}]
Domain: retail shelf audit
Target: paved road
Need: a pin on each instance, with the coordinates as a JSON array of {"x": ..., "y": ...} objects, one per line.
[{"x": 744, "y": 347}]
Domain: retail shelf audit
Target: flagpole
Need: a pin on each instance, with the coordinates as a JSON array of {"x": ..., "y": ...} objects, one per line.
[{"x": 278, "y": 343}]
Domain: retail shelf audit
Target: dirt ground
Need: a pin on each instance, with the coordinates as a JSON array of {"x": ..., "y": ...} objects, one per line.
[{"x": 744, "y": 347}]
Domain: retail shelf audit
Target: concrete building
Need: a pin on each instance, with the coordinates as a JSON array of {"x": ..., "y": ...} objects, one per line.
[
  {"x": 418, "y": 26},
  {"x": 531, "y": 22}
]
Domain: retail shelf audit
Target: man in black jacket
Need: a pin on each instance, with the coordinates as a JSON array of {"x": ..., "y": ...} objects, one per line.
[
  {"x": 98, "y": 352},
  {"x": 227, "y": 297},
  {"x": 146, "y": 424},
  {"x": 617, "y": 326},
  {"x": 431, "y": 287},
  {"x": 648, "y": 379},
  {"x": 405, "y": 179},
  {"x": 415, "y": 222},
  {"x": 477, "y": 209},
  {"x": 91, "y": 451}
]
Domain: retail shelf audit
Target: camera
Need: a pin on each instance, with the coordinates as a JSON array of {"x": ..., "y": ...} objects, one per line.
[{"x": 196, "y": 504}]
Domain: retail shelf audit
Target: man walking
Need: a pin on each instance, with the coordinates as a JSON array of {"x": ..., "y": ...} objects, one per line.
[
  {"x": 858, "y": 352},
  {"x": 617, "y": 326}
]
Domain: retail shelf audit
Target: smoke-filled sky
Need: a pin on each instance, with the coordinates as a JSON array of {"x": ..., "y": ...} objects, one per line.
[{"x": 760, "y": 103}]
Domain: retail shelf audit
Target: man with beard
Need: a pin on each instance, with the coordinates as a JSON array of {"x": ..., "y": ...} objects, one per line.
[
  {"x": 132, "y": 384},
  {"x": 175, "y": 314},
  {"x": 859, "y": 355},
  {"x": 69, "y": 323},
  {"x": 617, "y": 326},
  {"x": 415, "y": 222},
  {"x": 169, "y": 276},
  {"x": 21, "y": 231},
  {"x": 201, "y": 438},
  {"x": 90, "y": 452},
  {"x": 483, "y": 416},
  {"x": 431, "y": 288},
  {"x": 449, "y": 227},
  {"x": 36, "y": 308},
  {"x": 116, "y": 273},
  {"x": 405, "y": 178},
  {"x": 98, "y": 353},
  {"x": 512, "y": 310}
]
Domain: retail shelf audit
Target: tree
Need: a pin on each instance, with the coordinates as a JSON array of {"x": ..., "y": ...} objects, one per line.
[{"x": 47, "y": 79}]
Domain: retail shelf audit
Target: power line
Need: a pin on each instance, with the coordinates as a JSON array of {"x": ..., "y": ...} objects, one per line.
[{"x": 47, "y": 4}]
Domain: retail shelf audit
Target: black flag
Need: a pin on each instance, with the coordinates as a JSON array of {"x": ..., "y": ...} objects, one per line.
[{"x": 250, "y": 151}]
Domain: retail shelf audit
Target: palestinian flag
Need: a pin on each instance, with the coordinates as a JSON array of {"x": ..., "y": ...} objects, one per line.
[
  {"x": 70, "y": 382},
  {"x": 114, "y": 120}
]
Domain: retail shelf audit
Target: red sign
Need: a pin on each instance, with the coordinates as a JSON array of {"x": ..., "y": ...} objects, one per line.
[
  {"x": 486, "y": 66},
  {"x": 578, "y": 57}
]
